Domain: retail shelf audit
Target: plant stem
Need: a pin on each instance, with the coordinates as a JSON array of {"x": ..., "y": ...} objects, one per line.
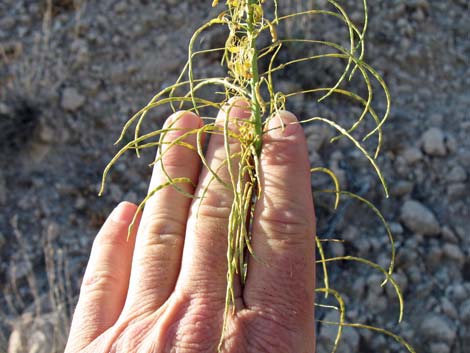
[{"x": 254, "y": 82}]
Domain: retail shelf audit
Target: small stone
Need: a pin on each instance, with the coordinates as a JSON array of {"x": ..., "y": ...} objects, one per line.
[
  {"x": 340, "y": 174},
  {"x": 374, "y": 284},
  {"x": 53, "y": 231},
  {"x": 116, "y": 192},
  {"x": 351, "y": 234},
  {"x": 438, "y": 328},
  {"x": 464, "y": 157},
  {"x": 12, "y": 50},
  {"x": 19, "y": 270},
  {"x": 46, "y": 134},
  {"x": 2, "y": 241},
  {"x": 92, "y": 86},
  {"x": 465, "y": 312},
  {"x": 402, "y": 282},
  {"x": 419, "y": 218},
  {"x": 457, "y": 293},
  {"x": 337, "y": 249},
  {"x": 80, "y": 52},
  {"x": 3, "y": 190},
  {"x": 457, "y": 174},
  {"x": 378, "y": 343},
  {"x": 358, "y": 287},
  {"x": 15, "y": 342},
  {"x": 318, "y": 136},
  {"x": 356, "y": 16},
  {"x": 419, "y": 15},
  {"x": 39, "y": 342},
  {"x": 37, "y": 152},
  {"x": 451, "y": 144},
  {"x": 414, "y": 274},
  {"x": 376, "y": 303},
  {"x": 439, "y": 347},
  {"x": 433, "y": 256},
  {"x": 7, "y": 22},
  {"x": 131, "y": 196},
  {"x": 401, "y": 188},
  {"x": 433, "y": 142},
  {"x": 5, "y": 109},
  {"x": 314, "y": 158},
  {"x": 412, "y": 155},
  {"x": 396, "y": 228},
  {"x": 349, "y": 340},
  {"x": 448, "y": 235},
  {"x": 422, "y": 4},
  {"x": 120, "y": 7},
  {"x": 454, "y": 253},
  {"x": 456, "y": 190},
  {"x": 71, "y": 99},
  {"x": 448, "y": 308},
  {"x": 461, "y": 232},
  {"x": 80, "y": 203}
]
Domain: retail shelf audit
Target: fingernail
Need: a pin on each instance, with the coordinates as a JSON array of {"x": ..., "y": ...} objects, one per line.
[
  {"x": 123, "y": 213},
  {"x": 284, "y": 124},
  {"x": 236, "y": 108},
  {"x": 183, "y": 118},
  {"x": 171, "y": 119},
  {"x": 242, "y": 101}
]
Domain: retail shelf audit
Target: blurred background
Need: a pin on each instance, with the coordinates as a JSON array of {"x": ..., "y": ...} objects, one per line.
[{"x": 73, "y": 71}]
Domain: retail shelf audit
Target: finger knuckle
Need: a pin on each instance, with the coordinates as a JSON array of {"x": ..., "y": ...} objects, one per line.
[
  {"x": 159, "y": 227},
  {"x": 214, "y": 207},
  {"x": 112, "y": 238},
  {"x": 177, "y": 158},
  {"x": 100, "y": 281},
  {"x": 193, "y": 328},
  {"x": 286, "y": 224}
]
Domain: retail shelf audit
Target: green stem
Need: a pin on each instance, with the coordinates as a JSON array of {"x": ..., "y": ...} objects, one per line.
[{"x": 256, "y": 117}]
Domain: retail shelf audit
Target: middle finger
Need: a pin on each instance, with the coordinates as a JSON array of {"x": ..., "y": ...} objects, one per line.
[{"x": 204, "y": 264}]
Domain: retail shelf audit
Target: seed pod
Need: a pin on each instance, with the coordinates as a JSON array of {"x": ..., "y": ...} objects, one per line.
[{"x": 272, "y": 30}]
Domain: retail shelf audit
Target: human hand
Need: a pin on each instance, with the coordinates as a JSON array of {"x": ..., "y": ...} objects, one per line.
[{"x": 164, "y": 289}]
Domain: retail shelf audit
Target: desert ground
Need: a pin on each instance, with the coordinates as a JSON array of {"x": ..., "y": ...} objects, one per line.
[{"x": 73, "y": 71}]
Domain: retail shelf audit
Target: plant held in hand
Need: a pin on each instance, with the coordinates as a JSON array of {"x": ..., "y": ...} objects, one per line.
[{"x": 250, "y": 84}]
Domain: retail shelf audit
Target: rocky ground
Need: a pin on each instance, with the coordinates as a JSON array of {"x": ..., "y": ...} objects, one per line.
[{"x": 73, "y": 71}]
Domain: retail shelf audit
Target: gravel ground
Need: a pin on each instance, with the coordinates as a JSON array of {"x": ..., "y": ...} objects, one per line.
[{"x": 70, "y": 77}]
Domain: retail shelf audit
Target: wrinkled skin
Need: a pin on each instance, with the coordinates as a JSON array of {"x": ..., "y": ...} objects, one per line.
[{"x": 164, "y": 289}]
